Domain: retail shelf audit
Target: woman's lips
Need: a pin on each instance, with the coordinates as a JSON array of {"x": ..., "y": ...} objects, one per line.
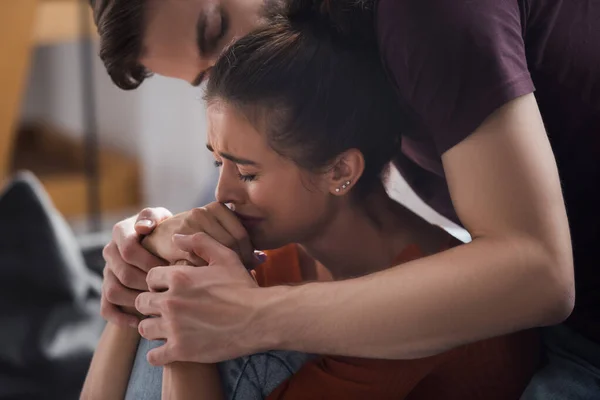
[{"x": 248, "y": 221}]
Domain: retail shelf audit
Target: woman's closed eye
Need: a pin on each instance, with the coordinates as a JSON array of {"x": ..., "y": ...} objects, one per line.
[
  {"x": 241, "y": 176},
  {"x": 246, "y": 177}
]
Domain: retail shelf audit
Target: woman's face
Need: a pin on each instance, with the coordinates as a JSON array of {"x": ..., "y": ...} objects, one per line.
[
  {"x": 278, "y": 202},
  {"x": 183, "y": 38}
]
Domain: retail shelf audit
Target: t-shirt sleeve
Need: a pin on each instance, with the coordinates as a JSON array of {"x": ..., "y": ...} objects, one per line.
[
  {"x": 453, "y": 62},
  {"x": 355, "y": 378}
]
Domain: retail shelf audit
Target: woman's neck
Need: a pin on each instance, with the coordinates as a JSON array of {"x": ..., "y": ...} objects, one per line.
[{"x": 368, "y": 238}]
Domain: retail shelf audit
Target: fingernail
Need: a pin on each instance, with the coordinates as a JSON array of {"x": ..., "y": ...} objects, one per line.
[
  {"x": 179, "y": 236},
  {"x": 260, "y": 256},
  {"x": 145, "y": 223}
]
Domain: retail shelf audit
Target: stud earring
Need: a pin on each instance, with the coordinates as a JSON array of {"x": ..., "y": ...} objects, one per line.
[{"x": 344, "y": 186}]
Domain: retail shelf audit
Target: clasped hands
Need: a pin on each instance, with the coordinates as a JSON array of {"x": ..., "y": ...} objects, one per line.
[{"x": 204, "y": 314}]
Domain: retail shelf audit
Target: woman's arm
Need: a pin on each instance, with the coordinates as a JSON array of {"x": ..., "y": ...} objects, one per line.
[
  {"x": 517, "y": 273},
  {"x": 182, "y": 381},
  {"x": 111, "y": 365},
  {"x": 186, "y": 380}
]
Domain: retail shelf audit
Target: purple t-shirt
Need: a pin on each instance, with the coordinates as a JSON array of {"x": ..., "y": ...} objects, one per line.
[{"x": 453, "y": 62}]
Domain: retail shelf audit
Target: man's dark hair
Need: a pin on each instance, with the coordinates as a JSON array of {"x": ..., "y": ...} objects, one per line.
[
  {"x": 121, "y": 28},
  {"x": 315, "y": 89}
]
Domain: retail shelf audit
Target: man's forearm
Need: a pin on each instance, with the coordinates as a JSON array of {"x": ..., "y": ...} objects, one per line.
[
  {"x": 483, "y": 289},
  {"x": 111, "y": 365}
]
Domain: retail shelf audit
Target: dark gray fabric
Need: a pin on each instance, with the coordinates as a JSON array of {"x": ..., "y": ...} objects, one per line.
[
  {"x": 49, "y": 300},
  {"x": 572, "y": 368},
  {"x": 246, "y": 378}
]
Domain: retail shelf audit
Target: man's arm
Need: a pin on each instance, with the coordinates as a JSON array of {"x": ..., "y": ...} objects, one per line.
[{"x": 517, "y": 273}]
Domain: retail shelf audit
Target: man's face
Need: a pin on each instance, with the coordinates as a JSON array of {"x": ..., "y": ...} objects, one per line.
[{"x": 183, "y": 38}]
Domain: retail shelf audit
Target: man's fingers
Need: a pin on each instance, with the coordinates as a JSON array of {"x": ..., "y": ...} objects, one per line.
[
  {"x": 204, "y": 219},
  {"x": 114, "y": 315},
  {"x": 205, "y": 247},
  {"x": 157, "y": 279},
  {"x": 152, "y": 329},
  {"x": 214, "y": 229},
  {"x": 147, "y": 303},
  {"x": 154, "y": 244},
  {"x": 149, "y": 218},
  {"x": 133, "y": 253},
  {"x": 234, "y": 227},
  {"x": 161, "y": 356},
  {"x": 114, "y": 292},
  {"x": 127, "y": 274}
]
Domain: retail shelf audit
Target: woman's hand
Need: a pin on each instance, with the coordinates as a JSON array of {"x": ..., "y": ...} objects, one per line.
[{"x": 214, "y": 219}]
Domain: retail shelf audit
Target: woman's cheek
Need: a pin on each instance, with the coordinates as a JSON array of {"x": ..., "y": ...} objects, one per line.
[{"x": 261, "y": 196}]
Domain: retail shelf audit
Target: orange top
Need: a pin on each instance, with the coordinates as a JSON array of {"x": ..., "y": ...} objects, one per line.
[{"x": 497, "y": 368}]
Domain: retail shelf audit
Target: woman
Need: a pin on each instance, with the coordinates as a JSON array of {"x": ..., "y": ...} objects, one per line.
[{"x": 302, "y": 125}]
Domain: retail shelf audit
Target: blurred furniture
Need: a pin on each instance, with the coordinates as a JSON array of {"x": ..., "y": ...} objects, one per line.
[{"x": 59, "y": 163}]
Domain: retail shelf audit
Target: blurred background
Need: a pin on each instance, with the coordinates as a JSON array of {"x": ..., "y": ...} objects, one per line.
[{"x": 100, "y": 152}]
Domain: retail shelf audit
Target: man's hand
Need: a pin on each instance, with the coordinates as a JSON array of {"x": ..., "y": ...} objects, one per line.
[
  {"x": 214, "y": 219},
  {"x": 204, "y": 314},
  {"x": 127, "y": 263}
]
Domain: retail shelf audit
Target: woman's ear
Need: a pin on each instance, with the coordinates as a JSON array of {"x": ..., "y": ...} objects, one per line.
[{"x": 346, "y": 170}]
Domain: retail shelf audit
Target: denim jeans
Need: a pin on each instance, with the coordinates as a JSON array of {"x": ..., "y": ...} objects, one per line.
[
  {"x": 572, "y": 368},
  {"x": 245, "y": 378}
]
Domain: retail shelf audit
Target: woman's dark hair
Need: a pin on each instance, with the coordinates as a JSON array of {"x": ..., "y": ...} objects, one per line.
[
  {"x": 350, "y": 18},
  {"x": 121, "y": 28},
  {"x": 315, "y": 89}
]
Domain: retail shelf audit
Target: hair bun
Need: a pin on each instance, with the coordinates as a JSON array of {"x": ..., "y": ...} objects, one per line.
[{"x": 350, "y": 18}]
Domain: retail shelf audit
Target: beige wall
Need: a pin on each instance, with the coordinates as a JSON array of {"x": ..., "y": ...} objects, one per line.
[{"x": 162, "y": 123}]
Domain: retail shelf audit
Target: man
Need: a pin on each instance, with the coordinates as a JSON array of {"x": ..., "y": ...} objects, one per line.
[{"x": 479, "y": 154}]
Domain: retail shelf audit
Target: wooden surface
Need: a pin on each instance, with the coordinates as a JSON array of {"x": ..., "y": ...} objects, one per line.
[
  {"x": 58, "y": 162},
  {"x": 58, "y": 21},
  {"x": 17, "y": 19},
  {"x": 25, "y": 24}
]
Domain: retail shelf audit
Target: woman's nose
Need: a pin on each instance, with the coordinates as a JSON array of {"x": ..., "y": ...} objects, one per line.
[{"x": 227, "y": 190}]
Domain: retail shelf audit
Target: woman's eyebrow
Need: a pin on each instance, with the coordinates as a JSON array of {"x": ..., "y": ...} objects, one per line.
[{"x": 233, "y": 158}]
